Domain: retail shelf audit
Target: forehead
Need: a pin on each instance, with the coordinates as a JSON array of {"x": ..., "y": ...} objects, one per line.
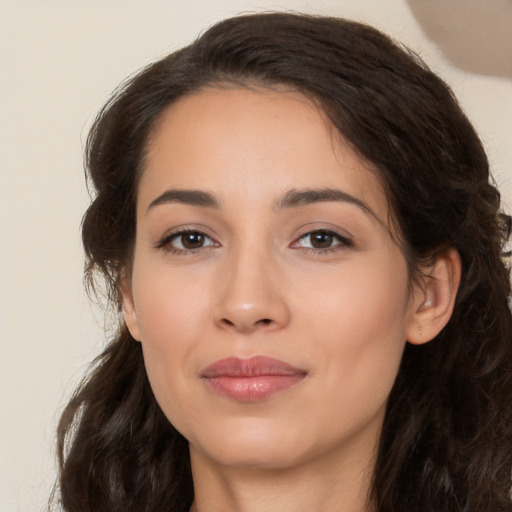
[{"x": 253, "y": 143}]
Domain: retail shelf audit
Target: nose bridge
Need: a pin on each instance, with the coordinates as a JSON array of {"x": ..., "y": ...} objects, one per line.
[{"x": 251, "y": 292}]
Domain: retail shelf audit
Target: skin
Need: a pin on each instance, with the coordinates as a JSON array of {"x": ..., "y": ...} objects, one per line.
[{"x": 258, "y": 284}]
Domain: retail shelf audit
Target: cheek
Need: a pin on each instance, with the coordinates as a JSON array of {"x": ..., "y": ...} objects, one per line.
[
  {"x": 169, "y": 304},
  {"x": 172, "y": 315},
  {"x": 359, "y": 324},
  {"x": 364, "y": 302}
]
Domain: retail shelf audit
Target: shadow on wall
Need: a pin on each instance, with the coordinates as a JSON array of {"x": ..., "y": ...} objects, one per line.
[{"x": 474, "y": 35}]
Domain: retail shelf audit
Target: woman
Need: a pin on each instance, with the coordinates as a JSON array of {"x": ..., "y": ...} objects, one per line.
[{"x": 296, "y": 220}]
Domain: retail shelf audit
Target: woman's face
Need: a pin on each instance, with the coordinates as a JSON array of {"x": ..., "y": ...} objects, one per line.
[{"x": 270, "y": 299}]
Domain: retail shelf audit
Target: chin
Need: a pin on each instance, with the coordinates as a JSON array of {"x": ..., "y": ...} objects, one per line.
[{"x": 250, "y": 444}]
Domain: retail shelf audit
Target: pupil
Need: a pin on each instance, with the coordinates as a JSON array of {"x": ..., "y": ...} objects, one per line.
[
  {"x": 321, "y": 240},
  {"x": 192, "y": 240}
]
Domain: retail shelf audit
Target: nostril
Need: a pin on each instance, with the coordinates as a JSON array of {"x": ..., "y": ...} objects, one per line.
[{"x": 263, "y": 321}]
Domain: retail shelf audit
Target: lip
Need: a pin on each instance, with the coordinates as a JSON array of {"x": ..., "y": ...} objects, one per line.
[{"x": 253, "y": 379}]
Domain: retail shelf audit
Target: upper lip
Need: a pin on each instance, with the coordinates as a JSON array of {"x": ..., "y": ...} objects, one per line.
[{"x": 256, "y": 366}]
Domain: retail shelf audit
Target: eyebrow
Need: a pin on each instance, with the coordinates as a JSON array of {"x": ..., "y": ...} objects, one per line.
[
  {"x": 291, "y": 199},
  {"x": 295, "y": 197},
  {"x": 191, "y": 197}
]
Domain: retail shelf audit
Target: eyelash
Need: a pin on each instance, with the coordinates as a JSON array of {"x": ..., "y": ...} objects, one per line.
[
  {"x": 165, "y": 242},
  {"x": 342, "y": 242}
]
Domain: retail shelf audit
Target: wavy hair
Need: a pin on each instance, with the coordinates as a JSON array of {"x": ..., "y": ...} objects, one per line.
[{"x": 446, "y": 443}]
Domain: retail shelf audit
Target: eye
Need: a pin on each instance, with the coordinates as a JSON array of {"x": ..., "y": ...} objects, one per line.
[
  {"x": 183, "y": 241},
  {"x": 322, "y": 240}
]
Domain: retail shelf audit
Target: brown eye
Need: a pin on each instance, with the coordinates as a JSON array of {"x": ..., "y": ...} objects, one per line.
[
  {"x": 187, "y": 241},
  {"x": 321, "y": 239},
  {"x": 192, "y": 240}
]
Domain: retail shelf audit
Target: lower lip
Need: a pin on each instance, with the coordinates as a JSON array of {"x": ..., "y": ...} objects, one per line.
[{"x": 253, "y": 389}]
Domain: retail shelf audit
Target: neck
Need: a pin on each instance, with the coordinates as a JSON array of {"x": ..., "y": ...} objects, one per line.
[{"x": 332, "y": 483}]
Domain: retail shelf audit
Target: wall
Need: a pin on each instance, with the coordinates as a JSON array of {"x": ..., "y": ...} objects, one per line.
[{"x": 59, "y": 61}]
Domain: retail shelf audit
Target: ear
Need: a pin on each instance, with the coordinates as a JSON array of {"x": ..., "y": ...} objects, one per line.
[
  {"x": 129, "y": 313},
  {"x": 434, "y": 298}
]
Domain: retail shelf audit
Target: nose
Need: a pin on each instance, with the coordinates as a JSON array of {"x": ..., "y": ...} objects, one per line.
[{"x": 252, "y": 294}]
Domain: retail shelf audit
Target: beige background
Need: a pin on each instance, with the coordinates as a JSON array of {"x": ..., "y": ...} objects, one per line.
[{"x": 59, "y": 60}]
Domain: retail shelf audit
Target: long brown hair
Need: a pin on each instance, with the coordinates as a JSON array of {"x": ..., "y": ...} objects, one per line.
[{"x": 446, "y": 443}]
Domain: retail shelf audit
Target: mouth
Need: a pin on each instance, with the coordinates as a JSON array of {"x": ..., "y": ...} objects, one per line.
[{"x": 251, "y": 380}]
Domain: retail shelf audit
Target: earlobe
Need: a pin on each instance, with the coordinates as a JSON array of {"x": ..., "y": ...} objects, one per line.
[
  {"x": 128, "y": 308},
  {"x": 433, "y": 302}
]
